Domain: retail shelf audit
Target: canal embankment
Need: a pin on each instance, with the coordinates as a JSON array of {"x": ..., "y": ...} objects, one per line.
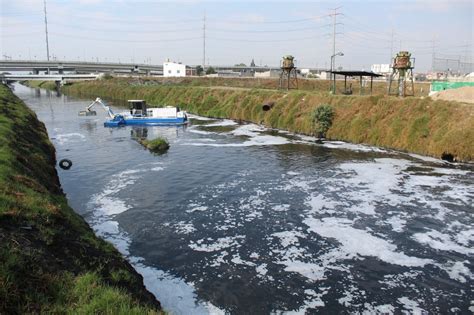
[
  {"x": 438, "y": 128},
  {"x": 50, "y": 259}
]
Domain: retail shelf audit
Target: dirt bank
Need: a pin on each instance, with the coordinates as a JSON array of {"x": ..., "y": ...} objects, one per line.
[{"x": 463, "y": 94}]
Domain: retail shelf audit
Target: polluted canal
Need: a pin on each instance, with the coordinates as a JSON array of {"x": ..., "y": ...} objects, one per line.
[{"x": 245, "y": 220}]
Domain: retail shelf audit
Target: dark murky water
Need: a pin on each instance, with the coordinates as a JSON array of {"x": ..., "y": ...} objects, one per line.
[{"x": 240, "y": 219}]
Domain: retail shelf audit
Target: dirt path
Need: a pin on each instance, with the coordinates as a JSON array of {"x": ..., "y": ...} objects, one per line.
[{"x": 464, "y": 94}]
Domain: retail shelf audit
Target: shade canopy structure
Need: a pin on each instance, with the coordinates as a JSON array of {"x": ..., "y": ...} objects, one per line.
[{"x": 359, "y": 74}]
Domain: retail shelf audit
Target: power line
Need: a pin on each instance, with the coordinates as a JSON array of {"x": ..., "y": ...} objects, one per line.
[
  {"x": 124, "y": 31},
  {"x": 266, "y": 41},
  {"x": 126, "y": 40}
]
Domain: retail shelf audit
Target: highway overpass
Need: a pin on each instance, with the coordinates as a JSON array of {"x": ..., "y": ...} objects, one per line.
[
  {"x": 35, "y": 67},
  {"x": 60, "y": 67}
]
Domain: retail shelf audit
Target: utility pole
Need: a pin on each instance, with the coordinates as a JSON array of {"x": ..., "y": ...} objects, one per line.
[
  {"x": 204, "y": 42},
  {"x": 433, "y": 46},
  {"x": 46, "y": 28}
]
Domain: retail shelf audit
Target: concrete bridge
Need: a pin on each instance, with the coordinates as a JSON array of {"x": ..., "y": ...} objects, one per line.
[
  {"x": 60, "y": 79},
  {"x": 61, "y": 67}
]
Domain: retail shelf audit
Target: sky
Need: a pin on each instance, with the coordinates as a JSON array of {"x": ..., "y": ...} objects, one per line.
[{"x": 151, "y": 31}]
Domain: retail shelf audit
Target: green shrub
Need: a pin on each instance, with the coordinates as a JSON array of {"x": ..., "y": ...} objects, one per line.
[
  {"x": 322, "y": 119},
  {"x": 107, "y": 76}
]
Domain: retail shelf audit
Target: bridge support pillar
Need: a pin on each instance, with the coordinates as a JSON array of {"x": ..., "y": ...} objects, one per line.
[{"x": 58, "y": 85}]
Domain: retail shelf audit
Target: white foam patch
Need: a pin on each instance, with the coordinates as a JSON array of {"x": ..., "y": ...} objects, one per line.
[
  {"x": 197, "y": 208},
  {"x": 313, "y": 300},
  {"x": 379, "y": 178},
  {"x": 184, "y": 227},
  {"x": 312, "y": 271},
  {"x": 352, "y": 147},
  {"x": 106, "y": 201},
  {"x": 192, "y": 116},
  {"x": 206, "y": 140},
  {"x": 426, "y": 158},
  {"x": 261, "y": 270},
  {"x": 411, "y": 305},
  {"x": 222, "y": 123},
  {"x": 69, "y": 137},
  {"x": 281, "y": 208},
  {"x": 176, "y": 296},
  {"x": 319, "y": 204},
  {"x": 255, "y": 141},
  {"x": 204, "y": 245},
  {"x": 458, "y": 271},
  {"x": 339, "y": 144},
  {"x": 249, "y": 130},
  {"x": 357, "y": 243},
  {"x": 397, "y": 223},
  {"x": 237, "y": 260},
  {"x": 385, "y": 309},
  {"x": 288, "y": 238},
  {"x": 107, "y": 227},
  {"x": 440, "y": 241},
  {"x": 465, "y": 237},
  {"x": 201, "y": 132}
]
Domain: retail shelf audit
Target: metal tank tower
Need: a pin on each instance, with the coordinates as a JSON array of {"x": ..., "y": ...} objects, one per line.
[
  {"x": 402, "y": 74},
  {"x": 288, "y": 76}
]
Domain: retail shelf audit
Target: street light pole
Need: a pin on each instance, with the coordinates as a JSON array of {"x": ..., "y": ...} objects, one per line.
[{"x": 332, "y": 70}]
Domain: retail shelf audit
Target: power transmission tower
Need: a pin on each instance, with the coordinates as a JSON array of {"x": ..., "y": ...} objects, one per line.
[
  {"x": 46, "y": 28},
  {"x": 333, "y": 56},
  {"x": 433, "y": 54},
  {"x": 204, "y": 41},
  {"x": 334, "y": 16}
]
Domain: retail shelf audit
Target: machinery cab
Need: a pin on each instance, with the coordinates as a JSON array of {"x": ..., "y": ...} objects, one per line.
[{"x": 137, "y": 108}]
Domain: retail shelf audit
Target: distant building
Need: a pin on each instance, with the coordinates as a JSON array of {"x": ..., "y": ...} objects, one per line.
[
  {"x": 174, "y": 69},
  {"x": 268, "y": 74},
  {"x": 383, "y": 68},
  {"x": 225, "y": 73}
]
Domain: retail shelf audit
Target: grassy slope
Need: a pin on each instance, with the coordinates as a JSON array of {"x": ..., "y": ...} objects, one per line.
[
  {"x": 50, "y": 260},
  {"x": 418, "y": 125}
]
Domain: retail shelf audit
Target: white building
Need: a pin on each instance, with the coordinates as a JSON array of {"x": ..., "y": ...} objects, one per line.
[
  {"x": 383, "y": 68},
  {"x": 174, "y": 69}
]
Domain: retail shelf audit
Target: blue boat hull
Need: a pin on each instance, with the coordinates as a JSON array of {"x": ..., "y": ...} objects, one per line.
[{"x": 120, "y": 121}]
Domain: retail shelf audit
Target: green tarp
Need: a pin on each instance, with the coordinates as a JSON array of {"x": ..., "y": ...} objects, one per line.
[{"x": 437, "y": 86}]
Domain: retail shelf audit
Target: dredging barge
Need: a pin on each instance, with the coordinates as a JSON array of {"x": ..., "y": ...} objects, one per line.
[{"x": 139, "y": 114}]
